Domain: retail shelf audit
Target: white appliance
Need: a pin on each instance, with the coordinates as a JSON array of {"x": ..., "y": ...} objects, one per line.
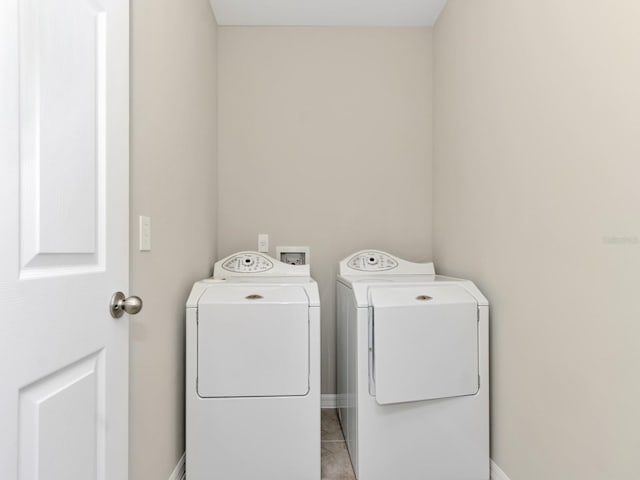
[
  {"x": 413, "y": 371},
  {"x": 253, "y": 372}
]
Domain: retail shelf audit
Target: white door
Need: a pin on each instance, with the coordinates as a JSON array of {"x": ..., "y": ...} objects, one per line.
[{"x": 63, "y": 238}]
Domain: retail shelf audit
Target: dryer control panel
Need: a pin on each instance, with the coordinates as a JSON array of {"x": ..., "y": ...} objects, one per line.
[
  {"x": 372, "y": 261},
  {"x": 247, "y": 263},
  {"x": 376, "y": 262}
]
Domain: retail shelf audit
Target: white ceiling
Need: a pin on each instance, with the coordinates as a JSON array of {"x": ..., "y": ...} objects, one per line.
[{"x": 327, "y": 12}]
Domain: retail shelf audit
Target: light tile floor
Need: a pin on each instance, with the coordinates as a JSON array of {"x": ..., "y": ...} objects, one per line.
[{"x": 336, "y": 464}]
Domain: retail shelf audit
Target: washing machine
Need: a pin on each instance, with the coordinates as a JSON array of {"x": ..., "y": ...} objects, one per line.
[
  {"x": 253, "y": 372},
  {"x": 412, "y": 370}
]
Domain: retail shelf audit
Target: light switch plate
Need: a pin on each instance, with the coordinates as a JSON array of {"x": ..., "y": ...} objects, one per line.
[{"x": 145, "y": 234}]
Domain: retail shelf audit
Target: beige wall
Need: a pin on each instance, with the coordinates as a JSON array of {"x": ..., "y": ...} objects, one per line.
[
  {"x": 325, "y": 141},
  {"x": 536, "y": 197},
  {"x": 173, "y": 179}
]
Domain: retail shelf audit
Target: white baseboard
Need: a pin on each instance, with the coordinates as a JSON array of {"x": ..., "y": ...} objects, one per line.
[
  {"x": 497, "y": 473},
  {"x": 328, "y": 400},
  {"x": 179, "y": 472}
]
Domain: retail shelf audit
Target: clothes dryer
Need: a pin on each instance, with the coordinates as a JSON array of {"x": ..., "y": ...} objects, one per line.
[
  {"x": 412, "y": 370},
  {"x": 253, "y": 372}
]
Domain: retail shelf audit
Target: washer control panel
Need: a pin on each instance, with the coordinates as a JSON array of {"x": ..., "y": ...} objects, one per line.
[
  {"x": 247, "y": 263},
  {"x": 372, "y": 262}
]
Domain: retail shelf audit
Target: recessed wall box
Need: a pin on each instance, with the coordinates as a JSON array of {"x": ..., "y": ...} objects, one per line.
[{"x": 294, "y": 255}]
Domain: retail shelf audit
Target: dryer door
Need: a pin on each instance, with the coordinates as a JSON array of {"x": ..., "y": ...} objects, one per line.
[
  {"x": 425, "y": 343},
  {"x": 253, "y": 341}
]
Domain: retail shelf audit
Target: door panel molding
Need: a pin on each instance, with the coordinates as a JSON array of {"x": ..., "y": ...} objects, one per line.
[{"x": 62, "y": 86}]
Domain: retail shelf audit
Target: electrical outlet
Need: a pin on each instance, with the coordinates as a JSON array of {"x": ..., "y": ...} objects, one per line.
[{"x": 263, "y": 242}]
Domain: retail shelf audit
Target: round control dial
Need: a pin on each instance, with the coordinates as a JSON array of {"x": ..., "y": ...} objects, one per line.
[{"x": 248, "y": 261}]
